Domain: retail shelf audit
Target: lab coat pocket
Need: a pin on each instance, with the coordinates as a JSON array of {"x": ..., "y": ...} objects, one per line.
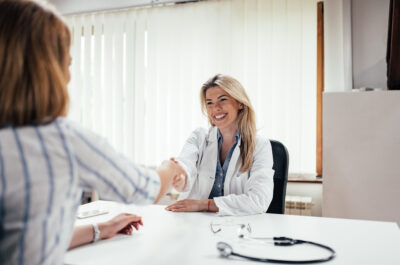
[
  {"x": 238, "y": 183},
  {"x": 206, "y": 180},
  {"x": 205, "y": 177},
  {"x": 243, "y": 175}
]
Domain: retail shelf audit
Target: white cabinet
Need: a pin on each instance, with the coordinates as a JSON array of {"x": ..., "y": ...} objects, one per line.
[{"x": 361, "y": 155}]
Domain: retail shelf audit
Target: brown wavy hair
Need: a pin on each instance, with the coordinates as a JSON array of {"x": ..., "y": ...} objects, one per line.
[
  {"x": 34, "y": 61},
  {"x": 246, "y": 116}
]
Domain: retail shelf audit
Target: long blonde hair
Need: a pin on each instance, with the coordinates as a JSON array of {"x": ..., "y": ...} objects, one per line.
[
  {"x": 34, "y": 60},
  {"x": 246, "y": 116}
]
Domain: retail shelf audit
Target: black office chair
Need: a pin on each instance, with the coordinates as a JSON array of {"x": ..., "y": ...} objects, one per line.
[{"x": 281, "y": 165}]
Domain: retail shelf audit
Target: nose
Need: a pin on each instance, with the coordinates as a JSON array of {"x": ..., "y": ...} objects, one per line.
[{"x": 216, "y": 106}]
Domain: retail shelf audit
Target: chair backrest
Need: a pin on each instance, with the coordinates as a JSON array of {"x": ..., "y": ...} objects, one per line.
[{"x": 281, "y": 165}]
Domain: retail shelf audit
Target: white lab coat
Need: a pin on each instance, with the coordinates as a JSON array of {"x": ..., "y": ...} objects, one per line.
[{"x": 245, "y": 193}]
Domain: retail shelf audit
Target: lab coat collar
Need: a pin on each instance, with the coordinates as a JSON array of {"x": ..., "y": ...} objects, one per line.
[{"x": 213, "y": 135}]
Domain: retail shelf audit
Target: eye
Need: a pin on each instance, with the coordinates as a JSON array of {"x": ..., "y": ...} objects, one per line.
[{"x": 209, "y": 103}]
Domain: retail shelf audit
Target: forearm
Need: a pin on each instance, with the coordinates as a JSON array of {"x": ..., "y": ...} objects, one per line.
[
  {"x": 243, "y": 204},
  {"x": 82, "y": 235},
  {"x": 163, "y": 190},
  {"x": 208, "y": 205},
  {"x": 85, "y": 234},
  {"x": 211, "y": 206},
  {"x": 165, "y": 180}
]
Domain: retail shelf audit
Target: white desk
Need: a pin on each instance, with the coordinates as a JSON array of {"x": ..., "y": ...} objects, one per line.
[{"x": 186, "y": 238}]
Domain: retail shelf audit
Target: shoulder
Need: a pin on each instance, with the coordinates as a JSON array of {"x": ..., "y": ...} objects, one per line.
[
  {"x": 263, "y": 146},
  {"x": 69, "y": 127},
  {"x": 67, "y": 124},
  {"x": 262, "y": 156},
  {"x": 75, "y": 130},
  {"x": 262, "y": 142},
  {"x": 201, "y": 137},
  {"x": 199, "y": 134}
]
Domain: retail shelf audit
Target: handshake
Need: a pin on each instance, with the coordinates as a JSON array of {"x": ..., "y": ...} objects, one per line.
[{"x": 171, "y": 174}]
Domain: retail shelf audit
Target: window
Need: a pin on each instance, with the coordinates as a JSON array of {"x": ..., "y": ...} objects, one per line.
[{"x": 136, "y": 74}]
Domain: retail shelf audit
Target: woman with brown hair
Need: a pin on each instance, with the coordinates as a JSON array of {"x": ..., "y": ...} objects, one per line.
[
  {"x": 45, "y": 160},
  {"x": 228, "y": 168}
]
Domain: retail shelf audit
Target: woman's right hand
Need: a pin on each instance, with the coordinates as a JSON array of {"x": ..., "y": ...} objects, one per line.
[
  {"x": 171, "y": 169},
  {"x": 179, "y": 181},
  {"x": 167, "y": 171}
]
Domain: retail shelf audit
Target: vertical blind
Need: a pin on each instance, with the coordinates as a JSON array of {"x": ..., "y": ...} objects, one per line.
[{"x": 137, "y": 73}]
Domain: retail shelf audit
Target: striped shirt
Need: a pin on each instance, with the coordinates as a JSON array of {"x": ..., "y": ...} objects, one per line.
[{"x": 43, "y": 171}]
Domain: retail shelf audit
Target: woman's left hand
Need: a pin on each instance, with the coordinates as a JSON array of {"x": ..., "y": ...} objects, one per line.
[
  {"x": 122, "y": 223},
  {"x": 188, "y": 205}
]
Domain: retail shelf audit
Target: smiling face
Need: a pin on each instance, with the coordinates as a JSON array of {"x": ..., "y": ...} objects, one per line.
[{"x": 222, "y": 109}]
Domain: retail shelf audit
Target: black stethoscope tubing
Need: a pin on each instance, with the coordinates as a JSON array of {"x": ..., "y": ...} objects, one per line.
[{"x": 290, "y": 242}]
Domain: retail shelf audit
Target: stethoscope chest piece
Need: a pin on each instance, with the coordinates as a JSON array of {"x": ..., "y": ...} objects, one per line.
[{"x": 225, "y": 250}]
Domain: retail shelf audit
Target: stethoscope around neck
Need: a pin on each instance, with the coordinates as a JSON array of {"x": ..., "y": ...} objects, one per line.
[{"x": 226, "y": 250}]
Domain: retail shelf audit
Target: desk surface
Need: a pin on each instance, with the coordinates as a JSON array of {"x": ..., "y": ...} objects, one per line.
[{"x": 186, "y": 238}]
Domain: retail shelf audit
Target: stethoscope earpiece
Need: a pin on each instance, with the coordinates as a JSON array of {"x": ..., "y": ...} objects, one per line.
[{"x": 244, "y": 231}]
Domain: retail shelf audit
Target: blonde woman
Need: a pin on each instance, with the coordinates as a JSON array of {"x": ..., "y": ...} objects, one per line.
[
  {"x": 45, "y": 159},
  {"x": 229, "y": 168}
]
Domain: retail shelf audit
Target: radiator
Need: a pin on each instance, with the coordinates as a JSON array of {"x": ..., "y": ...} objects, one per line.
[{"x": 298, "y": 205}]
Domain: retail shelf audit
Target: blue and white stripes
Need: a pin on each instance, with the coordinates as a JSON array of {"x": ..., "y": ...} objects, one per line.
[
  {"x": 68, "y": 155},
  {"x": 27, "y": 193},
  {"x": 113, "y": 164},
  {"x": 103, "y": 179},
  {"x": 43, "y": 170},
  {"x": 50, "y": 190}
]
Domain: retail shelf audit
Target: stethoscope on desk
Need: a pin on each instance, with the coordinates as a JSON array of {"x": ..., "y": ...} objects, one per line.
[{"x": 226, "y": 250}]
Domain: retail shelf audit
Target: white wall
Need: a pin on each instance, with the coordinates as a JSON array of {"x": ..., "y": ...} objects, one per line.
[
  {"x": 369, "y": 37},
  {"x": 337, "y": 42},
  {"x": 355, "y": 43}
]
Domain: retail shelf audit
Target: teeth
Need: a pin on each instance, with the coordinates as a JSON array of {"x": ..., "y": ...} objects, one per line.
[{"x": 220, "y": 116}]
